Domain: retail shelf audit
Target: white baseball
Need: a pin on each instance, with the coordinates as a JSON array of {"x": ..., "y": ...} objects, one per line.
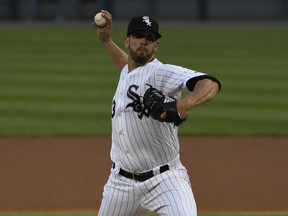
[{"x": 99, "y": 20}]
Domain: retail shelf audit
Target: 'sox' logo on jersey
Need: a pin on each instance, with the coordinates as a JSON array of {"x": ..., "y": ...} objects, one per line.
[{"x": 136, "y": 103}]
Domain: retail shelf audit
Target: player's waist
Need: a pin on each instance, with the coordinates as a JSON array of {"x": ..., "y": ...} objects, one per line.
[{"x": 143, "y": 176}]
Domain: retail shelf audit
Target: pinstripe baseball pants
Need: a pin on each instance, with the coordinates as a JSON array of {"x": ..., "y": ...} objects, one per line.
[{"x": 168, "y": 193}]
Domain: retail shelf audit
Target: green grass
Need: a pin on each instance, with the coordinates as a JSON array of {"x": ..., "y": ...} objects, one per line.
[
  {"x": 59, "y": 80},
  {"x": 94, "y": 214}
]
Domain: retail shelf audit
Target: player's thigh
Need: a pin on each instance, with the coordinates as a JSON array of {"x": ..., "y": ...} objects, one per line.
[
  {"x": 177, "y": 197},
  {"x": 119, "y": 198},
  {"x": 171, "y": 194},
  {"x": 112, "y": 207}
]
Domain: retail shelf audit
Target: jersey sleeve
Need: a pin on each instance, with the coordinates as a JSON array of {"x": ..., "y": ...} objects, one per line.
[{"x": 172, "y": 79}]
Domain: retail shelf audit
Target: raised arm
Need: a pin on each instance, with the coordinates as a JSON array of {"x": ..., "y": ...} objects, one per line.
[{"x": 119, "y": 57}]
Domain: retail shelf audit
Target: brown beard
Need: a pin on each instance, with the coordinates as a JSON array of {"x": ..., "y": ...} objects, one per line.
[{"x": 142, "y": 58}]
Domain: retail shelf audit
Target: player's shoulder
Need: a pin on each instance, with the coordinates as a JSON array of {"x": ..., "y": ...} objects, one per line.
[
  {"x": 124, "y": 70},
  {"x": 166, "y": 67},
  {"x": 152, "y": 66},
  {"x": 176, "y": 70},
  {"x": 154, "y": 63},
  {"x": 173, "y": 68}
]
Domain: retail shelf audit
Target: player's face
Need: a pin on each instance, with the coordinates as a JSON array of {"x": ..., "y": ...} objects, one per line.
[{"x": 141, "y": 46}]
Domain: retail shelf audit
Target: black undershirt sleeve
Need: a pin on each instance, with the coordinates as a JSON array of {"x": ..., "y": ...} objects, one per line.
[{"x": 190, "y": 84}]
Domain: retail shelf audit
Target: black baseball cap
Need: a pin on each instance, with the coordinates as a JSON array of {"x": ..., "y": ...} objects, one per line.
[{"x": 143, "y": 23}]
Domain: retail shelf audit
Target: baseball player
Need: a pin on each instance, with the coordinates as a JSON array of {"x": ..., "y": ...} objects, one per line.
[{"x": 147, "y": 109}]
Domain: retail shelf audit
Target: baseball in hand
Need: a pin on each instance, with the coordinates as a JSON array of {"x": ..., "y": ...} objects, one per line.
[{"x": 99, "y": 20}]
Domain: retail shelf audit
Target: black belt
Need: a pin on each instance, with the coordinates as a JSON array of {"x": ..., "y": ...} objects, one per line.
[{"x": 141, "y": 176}]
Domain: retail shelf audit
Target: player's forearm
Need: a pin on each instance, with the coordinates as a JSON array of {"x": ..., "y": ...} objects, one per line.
[
  {"x": 117, "y": 54},
  {"x": 204, "y": 91}
]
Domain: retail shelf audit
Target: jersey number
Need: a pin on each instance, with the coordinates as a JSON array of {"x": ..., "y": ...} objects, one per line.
[{"x": 113, "y": 108}]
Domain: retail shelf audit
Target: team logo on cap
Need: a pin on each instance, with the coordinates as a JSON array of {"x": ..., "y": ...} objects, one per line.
[{"x": 146, "y": 20}]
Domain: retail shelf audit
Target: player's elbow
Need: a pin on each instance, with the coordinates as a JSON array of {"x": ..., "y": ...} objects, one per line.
[{"x": 214, "y": 89}]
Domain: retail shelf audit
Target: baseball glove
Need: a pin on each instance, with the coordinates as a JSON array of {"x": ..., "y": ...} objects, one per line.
[{"x": 155, "y": 102}]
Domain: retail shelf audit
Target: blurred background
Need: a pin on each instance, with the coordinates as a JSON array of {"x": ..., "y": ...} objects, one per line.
[
  {"x": 203, "y": 10},
  {"x": 57, "y": 79}
]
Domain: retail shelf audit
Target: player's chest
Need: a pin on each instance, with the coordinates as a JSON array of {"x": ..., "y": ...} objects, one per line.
[
  {"x": 133, "y": 87},
  {"x": 129, "y": 95}
]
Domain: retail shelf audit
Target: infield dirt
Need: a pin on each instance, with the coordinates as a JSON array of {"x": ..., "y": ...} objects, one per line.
[{"x": 227, "y": 173}]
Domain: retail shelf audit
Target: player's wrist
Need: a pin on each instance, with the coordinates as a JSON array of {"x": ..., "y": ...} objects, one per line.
[
  {"x": 182, "y": 109},
  {"x": 185, "y": 104},
  {"x": 106, "y": 41}
]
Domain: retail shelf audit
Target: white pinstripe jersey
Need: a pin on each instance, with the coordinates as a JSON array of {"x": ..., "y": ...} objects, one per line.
[{"x": 140, "y": 143}]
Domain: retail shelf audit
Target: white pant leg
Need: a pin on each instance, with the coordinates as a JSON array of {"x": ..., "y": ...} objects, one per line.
[
  {"x": 121, "y": 198},
  {"x": 170, "y": 194}
]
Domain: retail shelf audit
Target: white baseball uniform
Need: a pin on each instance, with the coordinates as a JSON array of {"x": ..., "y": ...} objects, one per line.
[{"x": 141, "y": 144}]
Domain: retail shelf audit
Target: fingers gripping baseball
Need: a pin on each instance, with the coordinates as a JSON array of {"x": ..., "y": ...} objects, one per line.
[
  {"x": 160, "y": 107},
  {"x": 104, "y": 32}
]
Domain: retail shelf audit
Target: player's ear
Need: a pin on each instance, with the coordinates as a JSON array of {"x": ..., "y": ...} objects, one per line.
[
  {"x": 156, "y": 46},
  {"x": 126, "y": 42}
]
